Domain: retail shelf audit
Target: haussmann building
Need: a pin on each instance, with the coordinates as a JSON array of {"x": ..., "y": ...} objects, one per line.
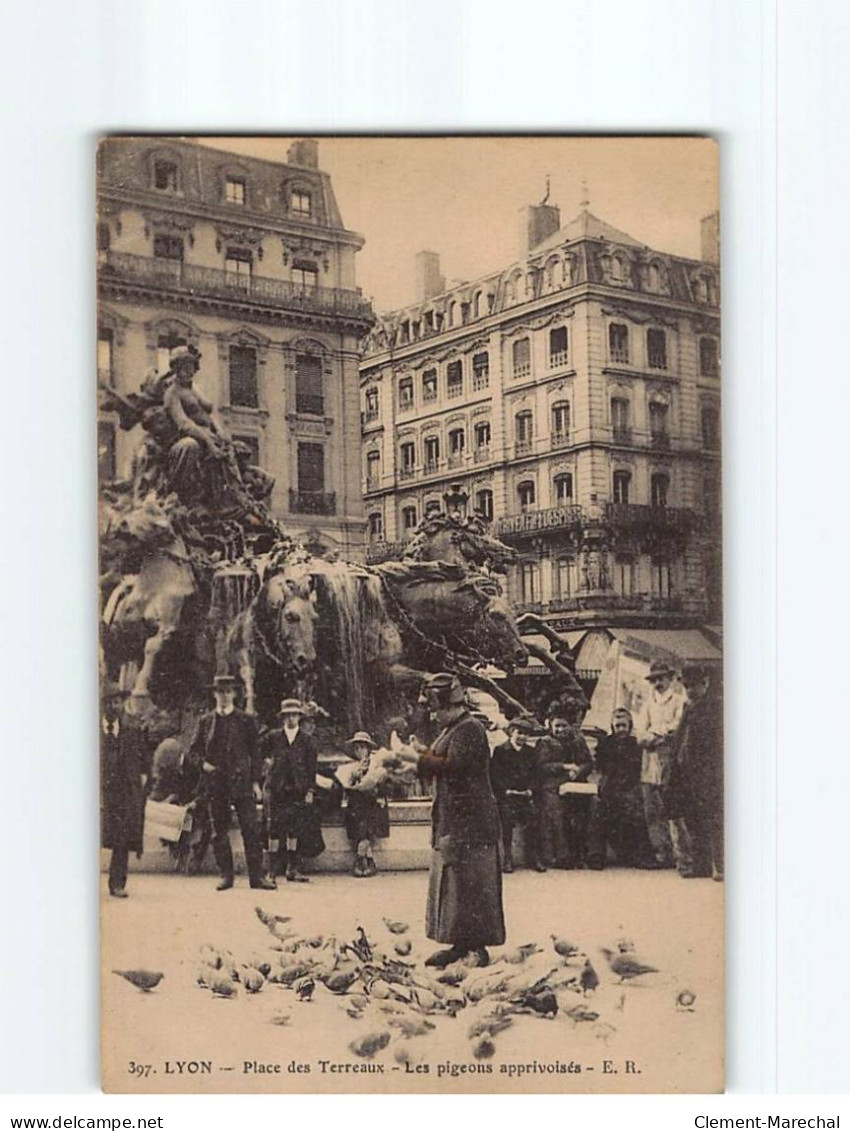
[
  {"x": 573, "y": 399},
  {"x": 249, "y": 261}
]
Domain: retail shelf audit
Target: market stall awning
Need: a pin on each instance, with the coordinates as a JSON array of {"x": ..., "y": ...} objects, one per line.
[{"x": 687, "y": 645}]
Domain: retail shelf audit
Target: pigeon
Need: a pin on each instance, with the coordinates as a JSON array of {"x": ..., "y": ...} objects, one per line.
[
  {"x": 589, "y": 979},
  {"x": 304, "y": 988},
  {"x": 253, "y": 980},
  {"x": 279, "y": 1019},
  {"x": 625, "y": 946},
  {"x": 411, "y": 1026},
  {"x": 540, "y": 1000},
  {"x": 270, "y": 920},
  {"x": 685, "y": 1000},
  {"x": 520, "y": 953},
  {"x": 222, "y": 985},
  {"x": 144, "y": 980},
  {"x": 403, "y": 947},
  {"x": 564, "y": 947},
  {"x": 396, "y": 927},
  {"x": 582, "y": 1013},
  {"x": 483, "y": 1049},
  {"x": 490, "y": 1026},
  {"x": 370, "y": 1044},
  {"x": 341, "y": 981},
  {"x": 627, "y": 965},
  {"x": 453, "y": 976},
  {"x": 361, "y": 946},
  {"x": 404, "y": 1055}
]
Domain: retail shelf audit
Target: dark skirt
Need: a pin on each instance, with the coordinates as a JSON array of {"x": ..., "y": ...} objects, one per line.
[
  {"x": 288, "y": 817},
  {"x": 465, "y": 897},
  {"x": 366, "y": 818}
]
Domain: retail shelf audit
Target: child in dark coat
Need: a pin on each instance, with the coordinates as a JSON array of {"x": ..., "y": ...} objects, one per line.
[{"x": 364, "y": 802}]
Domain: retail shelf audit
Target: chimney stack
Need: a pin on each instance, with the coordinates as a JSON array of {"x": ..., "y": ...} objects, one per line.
[
  {"x": 536, "y": 223},
  {"x": 429, "y": 281},
  {"x": 710, "y": 236},
  {"x": 304, "y": 152}
]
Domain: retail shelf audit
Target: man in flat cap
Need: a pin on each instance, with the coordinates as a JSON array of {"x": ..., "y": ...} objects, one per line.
[
  {"x": 514, "y": 774},
  {"x": 226, "y": 749},
  {"x": 655, "y": 729}
]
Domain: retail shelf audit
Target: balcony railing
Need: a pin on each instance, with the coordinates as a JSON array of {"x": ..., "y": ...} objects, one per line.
[
  {"x": 481, "y": 454},
  {"x": 480, "y": 380},
  {"x": 533, "y": 522},
  {"x": 456, "y": 459},
  {"x": 638, "y": 515},
  {"x": 620, "y": 356},
  {"x": 312, "y": 502},
  {"x": 523, "y": 447},
  {"x": 657, "y": 359},
  {"x": 429, "y": 395},
  {"x": 560, "y": 440},
  {"x": 523, "y": 369},
  {"x": 385, "y": 552},
  {"x": 454, "y": 390},
  {"x": 406, "y": 471},
  {"x": 556, "y": 360},
  {"x": 431, "y": 467},
  {"x": 369, "y": 415},
  {"x": 190, "y": 278}
]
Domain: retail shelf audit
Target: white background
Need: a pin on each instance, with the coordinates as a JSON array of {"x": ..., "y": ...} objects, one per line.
[{"x": 771, "y": 82}]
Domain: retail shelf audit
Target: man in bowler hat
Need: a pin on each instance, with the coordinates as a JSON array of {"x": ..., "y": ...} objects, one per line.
[
  {"x": 124, "y": 774},
  {"x": 226, "y": 748}
]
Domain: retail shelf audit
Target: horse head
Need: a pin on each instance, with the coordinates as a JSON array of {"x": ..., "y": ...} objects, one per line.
[
  {"x": 492, "y": 631},
  {"x": 286, "y": 604}
]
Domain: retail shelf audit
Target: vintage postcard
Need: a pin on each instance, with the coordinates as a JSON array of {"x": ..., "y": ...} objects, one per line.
[{"x": 411, "y": 617}]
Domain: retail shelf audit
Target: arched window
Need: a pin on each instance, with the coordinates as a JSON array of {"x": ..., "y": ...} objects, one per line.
[
  {"x": 564, "y": 488},
  {"x": 710, "y": 422},
  {"x": 656, "y": 349},
  {"x": 523, "y": 431},
  {"x": 620, "y": 425},
  {"x": 484, "y": 503},
  {"x": 622, "y": 486},
  {"x": 616, "y": 269},
  {"x": 376, "y": 527},
  {"x": 235, "y": 190},
  {"x": 618, "y": 343},
  {"x": 659, "y": 486},
  {"x": 300, "y": 203},
  {"x": 373, "y": 470},
  {"x": 429, "y": 385},
  {"x": 708, "y": 362},
  {"x": 521, "y": 356},
  {"x": 165, "y": 173},
  {"x": 526, "y": 494},
  {"x": 476, "y": 305},
  {"x": 405, "y": 393},
  {"x": 373, "y": 403},
  {"x": 454, "y": 379},
  {"x": 659, "y": 414},
  {"x": 242, "y": 372},
  {"x": 480, "y": 371},
  {"x": 408, "y": 518},
  {"x": 407, "y": 459},
  {"x": 432, "y": 452},
  {"x": 560, "y": 423},
  {"x": 457, "y": 443},
  {"x": 451, "y": 314},
  {"x": 558, "y": 346},
  {"x": 309, "y": 385}
]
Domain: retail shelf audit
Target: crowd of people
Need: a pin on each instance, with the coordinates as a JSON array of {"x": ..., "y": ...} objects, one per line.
[{"x": 650, "y": 795}]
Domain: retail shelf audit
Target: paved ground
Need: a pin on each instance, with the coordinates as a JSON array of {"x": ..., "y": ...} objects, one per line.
[{"x": 675, "y": 924}]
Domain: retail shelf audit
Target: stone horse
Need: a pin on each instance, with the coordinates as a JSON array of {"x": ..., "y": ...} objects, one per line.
[
  {"x": 143, "y": 612},
  {"x": 459, "y": 541}
]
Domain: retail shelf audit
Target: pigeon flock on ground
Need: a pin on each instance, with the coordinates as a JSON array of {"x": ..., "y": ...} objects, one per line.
[{"x": 380, "y": 980}]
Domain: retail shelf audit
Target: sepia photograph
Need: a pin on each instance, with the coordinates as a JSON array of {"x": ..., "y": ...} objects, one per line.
[{"x": 411, "y": 614}]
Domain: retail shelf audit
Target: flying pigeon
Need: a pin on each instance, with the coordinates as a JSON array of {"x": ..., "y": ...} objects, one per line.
[{"x": 144, "y": 980}]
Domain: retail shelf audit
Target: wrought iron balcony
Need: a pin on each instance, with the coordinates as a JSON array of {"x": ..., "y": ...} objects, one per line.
[
  {"x": 523, "y": 447},
  {"x": 312, "y": 502},
  {"x": 639, "y": 516},
  {"x": 619, "y": 356},
  {"x": 560, "y": 440},
  {"x": 385, "y": 552},
  {"x": 536, "y": 522},
  {"x": 193, "y": 279}
]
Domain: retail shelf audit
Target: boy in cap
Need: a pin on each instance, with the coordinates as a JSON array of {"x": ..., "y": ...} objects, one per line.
[
  {"x": 364, "y": 803},
  {"x": 515, "y": 779},
  {"x": 290, "y": 756}
]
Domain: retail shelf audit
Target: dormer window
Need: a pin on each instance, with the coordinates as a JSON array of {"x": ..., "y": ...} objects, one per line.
[
  {"x": 305, "y": 276},
  {"x": 165, "y": 176},
  {"x": 234, "y": 191},
  {"x": 301, "y": 202}
]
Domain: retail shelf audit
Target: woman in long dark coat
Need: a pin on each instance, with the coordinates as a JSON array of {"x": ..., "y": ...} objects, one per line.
[
  {"x": 123, "y": 777},
  {"x": 465, "y": 890}
]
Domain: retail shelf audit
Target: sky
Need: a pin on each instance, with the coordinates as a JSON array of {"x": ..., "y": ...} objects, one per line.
[{"x": 462, "y": 196}]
